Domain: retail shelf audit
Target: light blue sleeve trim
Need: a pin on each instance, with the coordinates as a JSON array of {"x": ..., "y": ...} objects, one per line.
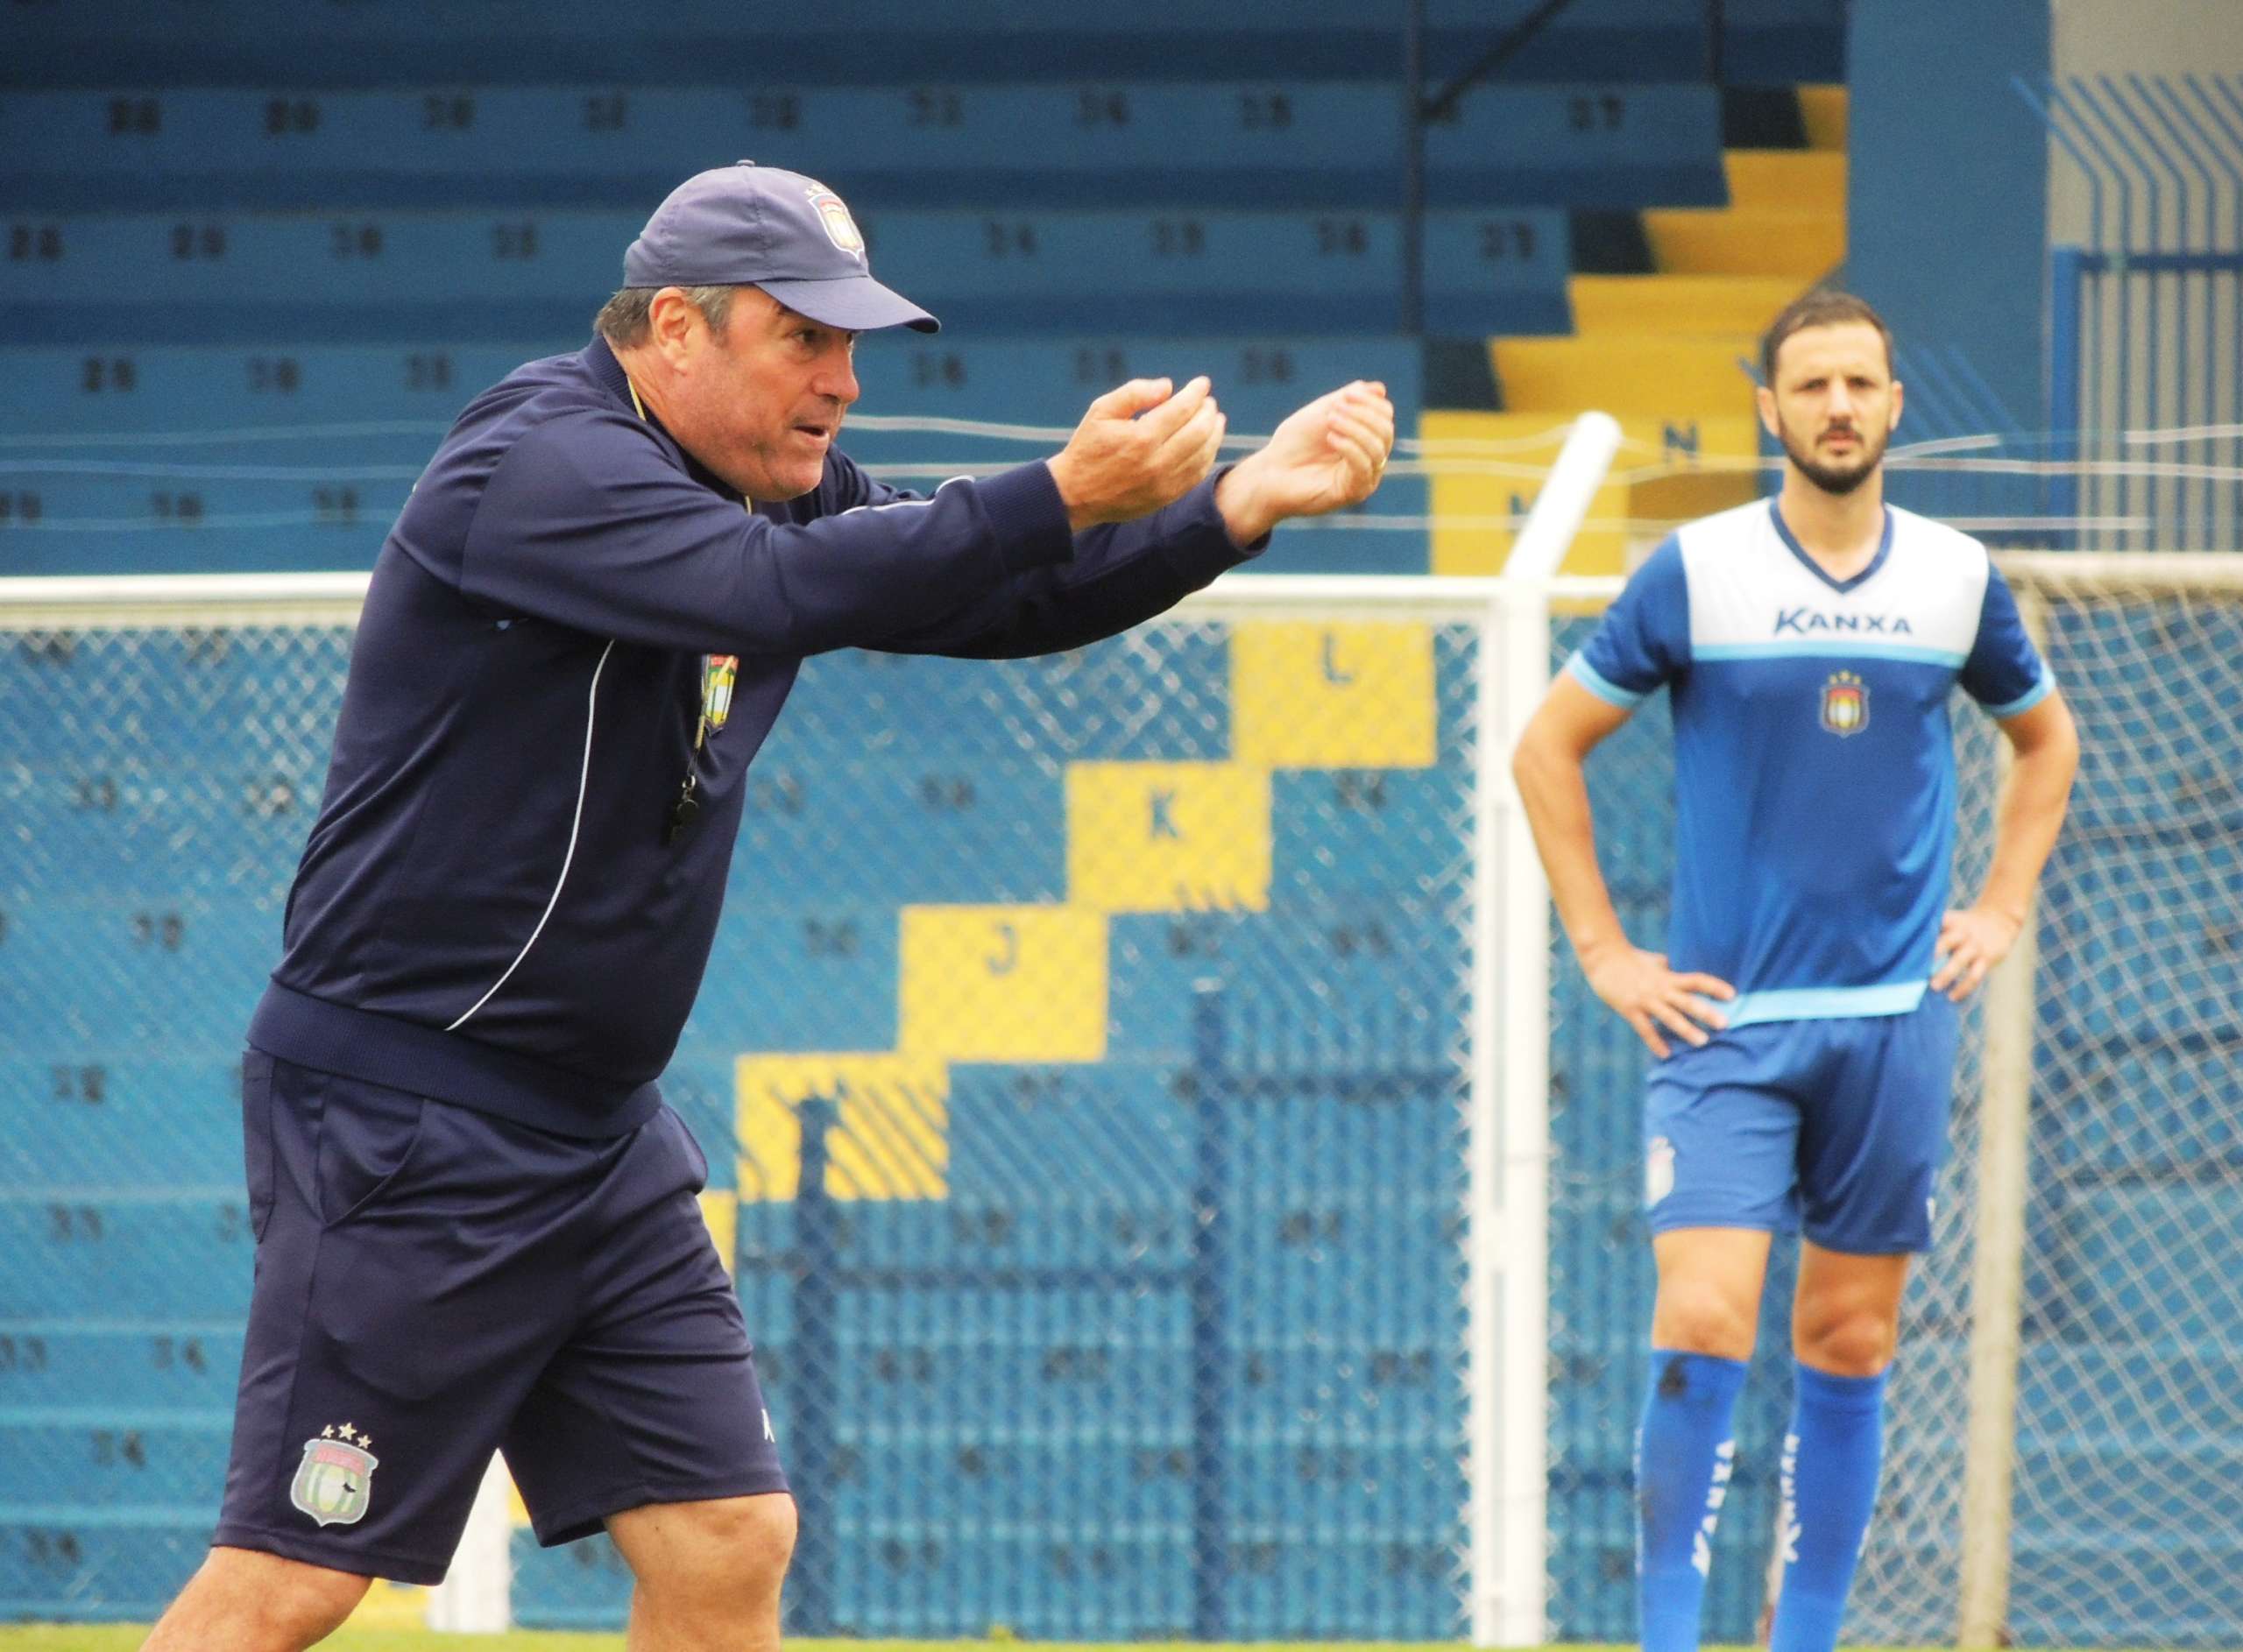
[
  {"x": 1590, "y": 679},
  {"x": 2026, "y": 701},
  {"x": 1829, "y": 648},
  {"x": 1823, "y": 1002}
]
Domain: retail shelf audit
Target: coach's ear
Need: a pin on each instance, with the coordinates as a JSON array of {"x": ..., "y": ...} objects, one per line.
[
  {"x": 1764, "y": 399},
  {"x": 1898, "y": 396}
]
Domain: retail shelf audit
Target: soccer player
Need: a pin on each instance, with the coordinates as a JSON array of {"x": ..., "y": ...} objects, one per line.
[
  {"x": 1802, "y": 1014},
  {"x": 474, "y": 1215}
]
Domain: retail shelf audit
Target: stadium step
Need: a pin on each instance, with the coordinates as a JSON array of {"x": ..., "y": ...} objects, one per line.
[
  {"x": 1823, "y": 111},
  {"x": 1804, "y": 244},
  {"x": 1719, "y": 306},
  {"x": 1668, "y": 470},
  {"x": 1787, "y": 179},
  {"x": 1647, "y": 375}
]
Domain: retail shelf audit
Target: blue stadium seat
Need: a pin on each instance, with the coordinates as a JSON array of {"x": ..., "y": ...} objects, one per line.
[
  {"x": 135, "y": 1120},
  {"x": 583, "y": 1586},
  {"x": 1050, "y": 1133},
  {"x": 177, "y": 42},
  {"x": 98, "y": 1563},
  {"x": 956, "y": 717},
  {"x": 1360, "y": 972},
  {"x": 1218, "y": 144},
  {"x": 792, "y": 976},
  {"x": 284, "y": 456},
  {"x": 1071, "y": 1355},
  {"x": 394, "y": 401},
  {"x": 140, "y": 1255},
  {"x": 238, "y": 277},
  {"x": 159, "y": 1365},
  {"x": 105, "y": 1456},
  {"x": 2086, "y": 1252},
  {"x": 1381, "y": 834},
  {"x": 988, "y": 833},
  {"x": 1059, "y": 1467}
]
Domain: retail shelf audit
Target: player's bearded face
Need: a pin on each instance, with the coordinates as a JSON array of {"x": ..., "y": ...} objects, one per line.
[
  {"x": 768, "y": 395},
  {"x": 1834, "y": 405}
]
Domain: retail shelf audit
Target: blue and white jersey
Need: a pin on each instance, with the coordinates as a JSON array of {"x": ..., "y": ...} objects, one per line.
[{"x": 1815, "y": 763}]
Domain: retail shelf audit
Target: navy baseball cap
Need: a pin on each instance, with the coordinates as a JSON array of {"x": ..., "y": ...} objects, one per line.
[{"x": 745, "y": 225}]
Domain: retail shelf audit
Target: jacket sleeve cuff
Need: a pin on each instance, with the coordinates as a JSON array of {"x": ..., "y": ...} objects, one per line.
[
  {"x": 1027, "y": 517},
  {"x": 1240, "y": 553}
]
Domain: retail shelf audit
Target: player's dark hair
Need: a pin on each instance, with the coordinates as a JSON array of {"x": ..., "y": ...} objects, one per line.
[
  {"x": 626, "y": 319},
  {"x": 1823, "y": 306}
]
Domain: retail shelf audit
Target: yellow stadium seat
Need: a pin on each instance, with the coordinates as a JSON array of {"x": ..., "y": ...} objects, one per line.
[
  {"x": 1309, "y": 695},
  {"x": 1005, "y": 983},
  {"x": 890, "y": 1136},
  {"x": 720, "y": 1213},
  {"x": 1168, "y": 836}
]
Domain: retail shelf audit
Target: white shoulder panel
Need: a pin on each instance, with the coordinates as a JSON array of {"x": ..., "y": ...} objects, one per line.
[{"x": 1752, "y": 595}]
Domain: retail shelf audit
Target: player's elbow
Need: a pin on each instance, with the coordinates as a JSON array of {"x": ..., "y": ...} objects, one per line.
[{"x": 1541, "y": 756}]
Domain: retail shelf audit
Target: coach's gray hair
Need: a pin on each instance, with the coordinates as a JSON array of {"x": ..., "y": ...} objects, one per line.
[{"x": 625, "y": 319}]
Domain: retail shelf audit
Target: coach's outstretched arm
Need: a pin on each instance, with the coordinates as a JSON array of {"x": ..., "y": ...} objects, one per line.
[
  {"x": 1326, "y": 456},
  {"x": 2044, "y": 747},
  {"x": 1637, "y": 985}
]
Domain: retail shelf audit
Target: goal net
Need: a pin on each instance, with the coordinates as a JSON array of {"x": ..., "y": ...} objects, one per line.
[{"x": 1176, "y": 1190}]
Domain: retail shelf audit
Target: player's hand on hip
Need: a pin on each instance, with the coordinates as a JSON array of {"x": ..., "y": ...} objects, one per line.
[
  {"x": 1140, "y": 446},
  {"x": 1649, "y": 995},
  {"x": 1326, "y": 456},
  {"x": 1970, "y": 943}
]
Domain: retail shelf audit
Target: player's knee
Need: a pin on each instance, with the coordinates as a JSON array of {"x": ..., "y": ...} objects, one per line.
[
  {"x": 734, "y": 1550},
  {"x": 1855, "y": 1343},
  {"x": 1695, "y": 1316},
  {"x": 253, "y": 1602}
]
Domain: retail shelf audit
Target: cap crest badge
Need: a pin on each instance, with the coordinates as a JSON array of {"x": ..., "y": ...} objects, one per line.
[{"x": 840, "y": 227}]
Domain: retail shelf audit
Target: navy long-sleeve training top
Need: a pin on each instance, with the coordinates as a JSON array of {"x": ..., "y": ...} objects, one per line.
[{"x": 491, "y": 909}]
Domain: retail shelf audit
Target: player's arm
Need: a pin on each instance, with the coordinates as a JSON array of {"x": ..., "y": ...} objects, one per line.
[
  {"x": 2044, "y": 750},
  {"x": 1325, "y": 457},
  {"x": 1548, "y": 767}
]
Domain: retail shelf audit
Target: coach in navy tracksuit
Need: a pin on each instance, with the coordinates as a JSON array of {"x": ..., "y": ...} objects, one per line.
[{"x": 476, "y": 1218}]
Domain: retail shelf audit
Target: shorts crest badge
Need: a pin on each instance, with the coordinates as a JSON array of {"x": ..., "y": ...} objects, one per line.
[
  {"x": 1845, "y": 703},
  {"x": 334, "y": 1482},
  {"x": 840, "y": 227}
]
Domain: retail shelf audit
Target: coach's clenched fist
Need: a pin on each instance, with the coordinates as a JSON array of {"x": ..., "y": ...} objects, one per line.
[
  {"x": 1326, "y": 456},
  {"x": 1137, "y": 448}
]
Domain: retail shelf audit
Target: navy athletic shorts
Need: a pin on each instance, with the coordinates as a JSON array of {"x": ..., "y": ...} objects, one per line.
[
  {"x": 433, "y": 1283},
  {"x": 1837, "y": 1128}
]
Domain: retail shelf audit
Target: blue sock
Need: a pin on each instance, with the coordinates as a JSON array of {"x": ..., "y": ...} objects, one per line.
[
  {"x": 1829, "y": 1482},
  {"x": 1683, "y": 1454}
]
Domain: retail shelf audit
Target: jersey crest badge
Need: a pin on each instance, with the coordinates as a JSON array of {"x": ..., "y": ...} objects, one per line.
[
  {"x": 840, "y": 227},
  {"x": 334, "y": 1484},
  {"x": 1845, "y": 703},
  {"x": 717, "y": 673}
]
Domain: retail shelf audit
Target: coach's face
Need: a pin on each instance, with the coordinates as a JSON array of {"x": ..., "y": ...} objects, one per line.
[
  {"x": 1834, "y": 403},
  {"x": 760, "y": 402}
]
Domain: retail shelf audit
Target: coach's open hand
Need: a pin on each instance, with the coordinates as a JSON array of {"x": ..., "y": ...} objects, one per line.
[
  {"x": 1118, "y": 466},
  {"x": 1327, "y": 456}
]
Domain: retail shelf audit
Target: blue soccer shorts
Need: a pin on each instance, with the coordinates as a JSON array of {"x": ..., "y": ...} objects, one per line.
[
  {"x": 432, "y": 1284},
  {"x": 1835, "y": 1128}
]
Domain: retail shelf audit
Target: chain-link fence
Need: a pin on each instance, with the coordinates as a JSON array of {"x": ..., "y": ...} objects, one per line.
[{"x": 1083, "y": 1068}]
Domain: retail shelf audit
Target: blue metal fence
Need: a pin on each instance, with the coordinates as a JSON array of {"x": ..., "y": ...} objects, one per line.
[{"x": 2146, "y": 302}]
